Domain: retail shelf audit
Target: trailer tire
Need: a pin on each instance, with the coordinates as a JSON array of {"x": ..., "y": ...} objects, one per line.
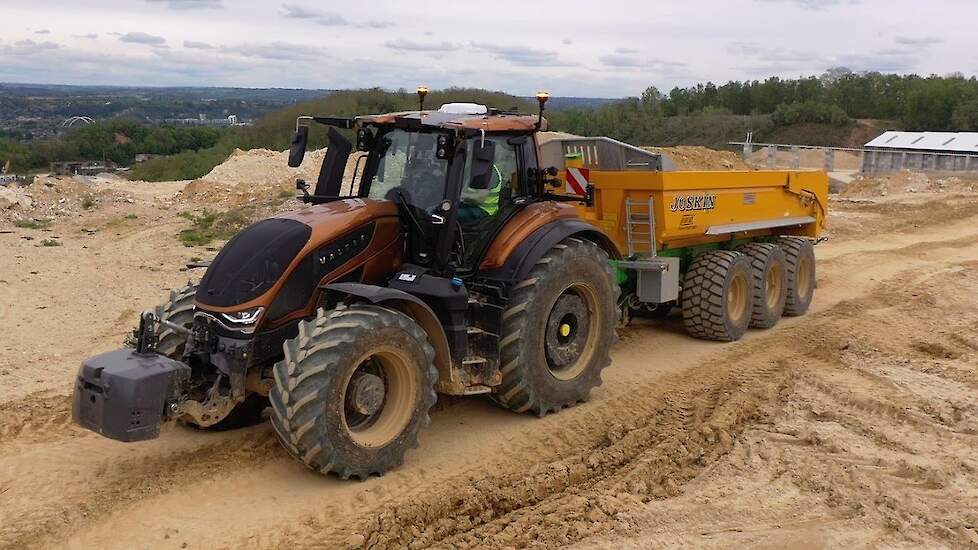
[
  {"x": 799, "y": 254},
  {"x": 718, "y": 295},
  {"x": 558, "y": 330},
  {"x": 770, "y": 290},
  {"x": 354, "y": 390}
]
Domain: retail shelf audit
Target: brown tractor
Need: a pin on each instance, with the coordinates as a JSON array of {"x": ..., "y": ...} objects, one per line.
[{"x": 448, "y": 266}]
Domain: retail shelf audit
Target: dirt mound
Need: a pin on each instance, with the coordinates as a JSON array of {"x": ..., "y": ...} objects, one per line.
[
  {"x": 876, "y": 185},
  {"x": 247, "y": 176},
  {"x": 256, "y": 175},
  {"x": 51, "y": 197},
  {"x": 689, "y": 157}
]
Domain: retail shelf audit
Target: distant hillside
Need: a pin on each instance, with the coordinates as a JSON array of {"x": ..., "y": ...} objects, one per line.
[
  {"x": 274, "y": 130},
  {"x": 564, "y": 103}
]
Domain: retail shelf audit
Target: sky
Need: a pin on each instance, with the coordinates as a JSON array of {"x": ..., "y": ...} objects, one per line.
[{"x": 607, "y": 48}]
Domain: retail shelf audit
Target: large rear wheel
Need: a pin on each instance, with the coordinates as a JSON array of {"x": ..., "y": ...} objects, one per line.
[
  {"x": 718, "y": 295},
  {"x": 558, "y": 330},
  {"x": 354, "y": 390}
]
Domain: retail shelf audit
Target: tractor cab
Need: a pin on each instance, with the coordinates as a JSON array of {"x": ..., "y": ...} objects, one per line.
[{"x": 456, "y": 174}]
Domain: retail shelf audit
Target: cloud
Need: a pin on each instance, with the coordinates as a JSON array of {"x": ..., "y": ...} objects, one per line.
[
  {"x": 142, "y": 38},
  {"x": 90, "y": 36},
  {"x": 413, "y": 46},
  {"x": 327, "y": 19},
  {"x": 661, "y": 67},
  {"x": 29, "y": 46},
  {"x": 42, "y": 31},
  {"x": 188, "y": 4},
  {"x": 194, "y": 45},
  {"x": 278, "y": 51},
  {"x": 813, "y": 4},
  {"x": 626, "y": 51},
  {"x": 920, "y": 41},
  {"x": 567, "y": 41},
  {"x": 523, "y": 56}
]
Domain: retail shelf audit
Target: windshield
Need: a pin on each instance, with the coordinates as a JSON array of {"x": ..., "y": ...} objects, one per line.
[{"x": 408, "y": 163}]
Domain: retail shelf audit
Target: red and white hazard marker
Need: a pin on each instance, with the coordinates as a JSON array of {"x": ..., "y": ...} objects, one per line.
[{"x": 577, "y": 181}]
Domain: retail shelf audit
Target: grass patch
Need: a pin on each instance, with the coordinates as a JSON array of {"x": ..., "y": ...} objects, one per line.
[
  {"x": 88, "y": 202},
  {"x": 131, "y": 217},
  {"x": 210, "y": 226},
  {"x": 31, "y": 224},
  {"x": 50, "y": 242}
]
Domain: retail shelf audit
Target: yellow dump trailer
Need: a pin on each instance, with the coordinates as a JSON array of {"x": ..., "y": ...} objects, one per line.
[{"x": 732, "y": 248}]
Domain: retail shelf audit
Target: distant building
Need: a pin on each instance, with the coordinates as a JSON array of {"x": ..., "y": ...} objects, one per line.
[
  {"x": 143, "y": 157},
  {"x": 922, "y": 151},
  {"x": 81, "y": 167}
]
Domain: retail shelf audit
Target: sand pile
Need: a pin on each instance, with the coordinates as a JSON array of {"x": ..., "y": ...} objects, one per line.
[
  {"x": 54, "y": 196},
  {"x": 247, "y": 176},
  {"x": 689, "y": 157},
  {"x": 905, "y": 181},
  {"x": 257, "y": 175}
]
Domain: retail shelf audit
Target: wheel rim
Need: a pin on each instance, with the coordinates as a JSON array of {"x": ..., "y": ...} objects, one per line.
[
  {"x": 570, "y": 332},
  {"x": 737, "y": 298},
  {"x": 379, "y": 397},
  {"x": 804, "y": 274},
  {"x": 772, "y": 286}
]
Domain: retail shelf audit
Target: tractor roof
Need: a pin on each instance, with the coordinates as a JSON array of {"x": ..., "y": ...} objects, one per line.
[{"x": 490, "y": 121}]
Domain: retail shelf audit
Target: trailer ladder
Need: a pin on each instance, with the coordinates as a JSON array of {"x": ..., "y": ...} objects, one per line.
[{"x": 640, "y": 227}]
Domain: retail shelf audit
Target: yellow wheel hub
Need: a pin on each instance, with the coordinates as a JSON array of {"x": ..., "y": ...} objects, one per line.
[{"x": 565, "y": 330}]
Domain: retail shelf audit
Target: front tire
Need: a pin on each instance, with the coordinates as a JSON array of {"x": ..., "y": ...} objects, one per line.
[
  {"x": 558, "y": 330},
  {"x": 354, "y": 390}
]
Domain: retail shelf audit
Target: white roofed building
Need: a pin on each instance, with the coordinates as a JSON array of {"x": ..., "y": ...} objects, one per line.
[
  {"x": 922, "y": 151},
  {"x": 943, "y": 142}
]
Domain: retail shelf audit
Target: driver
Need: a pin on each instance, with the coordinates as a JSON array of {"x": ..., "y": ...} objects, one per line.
[{"x": 478, "y": 204}]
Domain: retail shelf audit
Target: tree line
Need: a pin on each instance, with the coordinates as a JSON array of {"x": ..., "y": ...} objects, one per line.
[
  {"x": 704, "y": 114},
  {"x": 116, "y": 140},
  {"x": 934, "y": 103}
]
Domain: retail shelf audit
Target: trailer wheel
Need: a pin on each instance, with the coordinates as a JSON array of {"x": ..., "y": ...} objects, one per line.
[
  {"x": 558, "y": 330},
  {"x": 770, "y": 290},
  {"x": 354, "y": 390},
  {"x": 718, "y": 295},
  {"x": 800, "y": 274}
]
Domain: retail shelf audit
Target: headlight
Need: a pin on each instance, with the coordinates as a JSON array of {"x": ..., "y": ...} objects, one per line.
[{"x": 244, "y": 317}]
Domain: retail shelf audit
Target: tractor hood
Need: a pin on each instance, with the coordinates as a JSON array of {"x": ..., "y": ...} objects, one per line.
[{"x": 289, "y": 255}]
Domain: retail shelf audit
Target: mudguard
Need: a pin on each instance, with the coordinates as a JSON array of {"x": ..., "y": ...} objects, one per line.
[
  {"x": 414, "y": 307},
  {"x": 521, "y": 261}
]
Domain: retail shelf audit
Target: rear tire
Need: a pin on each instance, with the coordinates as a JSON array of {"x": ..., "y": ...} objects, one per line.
[
  {"x": 799, "y": 254},
  {"x": 558, "y": 330},
  {"x": 718, "y": 295},
  {"x": 770, "y": 289},
  {"x": 354, "y": 390}
]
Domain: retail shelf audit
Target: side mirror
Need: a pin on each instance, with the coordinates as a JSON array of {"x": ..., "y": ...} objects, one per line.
[
  {"x": 298, "y": 148},
  {"x": 483, "y": 155}
]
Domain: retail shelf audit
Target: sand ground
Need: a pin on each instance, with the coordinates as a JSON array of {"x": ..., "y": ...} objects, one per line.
[{"x": 853, "y": 426}]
